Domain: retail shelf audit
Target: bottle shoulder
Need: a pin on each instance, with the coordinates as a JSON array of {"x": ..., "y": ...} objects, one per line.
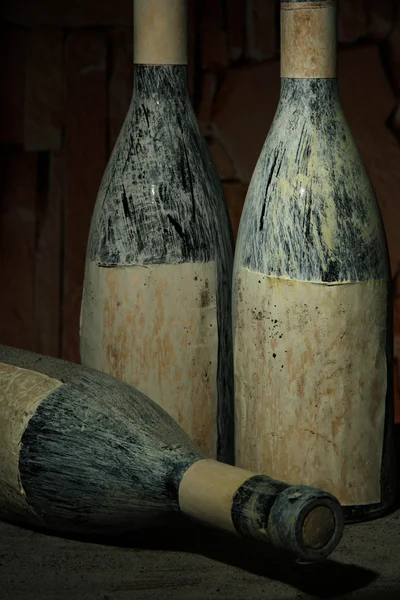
[
  {"x": 160, "y": 198},
  {"x": 100, "y": 445},
  {"x": 154, "y": 141},
  {"x": 311, "y": 210}
]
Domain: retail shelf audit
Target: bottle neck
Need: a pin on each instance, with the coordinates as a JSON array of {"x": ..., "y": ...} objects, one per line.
[
  {"x": 159, "y": 32},
  {"x": 162, "y": 84},
  {"x": 313, "y": 100},
  {"x": 257, "y": 506},
  {"x": 309, "y": 39}
]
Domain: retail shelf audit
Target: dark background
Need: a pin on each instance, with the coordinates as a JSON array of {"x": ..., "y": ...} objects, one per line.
[{"x": 66, "y": 83}]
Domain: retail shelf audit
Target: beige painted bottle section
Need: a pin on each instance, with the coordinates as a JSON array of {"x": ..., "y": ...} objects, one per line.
[
  {"x": 310, "y": 382},
  {"x": 308, "y": 39},
  {"x": 159, "y": 32},
  {"x": 21, "y": 392},
  {"x": 156, "y": 328},
  {"x": 207, "y": 489}
]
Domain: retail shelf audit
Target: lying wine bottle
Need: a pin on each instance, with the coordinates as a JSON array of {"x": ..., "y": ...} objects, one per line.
[
  {"x": 312, "y": 302},
  {"x": 82, "y": 452},
  {"x": 156, "y": 306}
]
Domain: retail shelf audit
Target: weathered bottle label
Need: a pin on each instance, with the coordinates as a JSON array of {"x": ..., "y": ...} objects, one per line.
[
  {"x": 310, "y": 382},
  {"x": 155, "y": 327},
  {"x": 308, "y": 40},
  {"x": 21, "y": 392},
  {"x": 159, "y": 32}
]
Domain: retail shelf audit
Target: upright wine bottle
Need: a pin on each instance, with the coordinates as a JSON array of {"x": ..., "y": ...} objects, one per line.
[
  {"x": 82, "y": 452},
  {"x": 312, "y": 318},
  {"x": 156, "y": 308}
]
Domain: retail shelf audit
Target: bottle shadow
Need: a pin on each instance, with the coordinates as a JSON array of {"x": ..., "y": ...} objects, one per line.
[
  {"x": 325, "y": 579},
  {"x": 396, "y": 505}
]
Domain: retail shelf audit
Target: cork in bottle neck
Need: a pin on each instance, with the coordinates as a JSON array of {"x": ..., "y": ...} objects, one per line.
[
  {"x": 309, "y": 39},
  {"x": 159, "y": 32}
]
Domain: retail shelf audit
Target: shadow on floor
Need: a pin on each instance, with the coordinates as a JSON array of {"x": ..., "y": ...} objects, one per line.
[
  {"x": 325, "y": 579},
  {"x": 397, "y": 460},
  {"x": 376, "y": 594}
]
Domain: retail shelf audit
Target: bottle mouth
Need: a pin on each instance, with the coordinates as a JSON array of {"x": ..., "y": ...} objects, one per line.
[
  {"x": 321, "y": 529},
  {"x": 318, "y": 527},
  {"x": 307, "y": 522}
]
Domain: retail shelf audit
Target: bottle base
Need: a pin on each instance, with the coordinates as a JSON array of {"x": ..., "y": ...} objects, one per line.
[{"x": 367, "y": 512}]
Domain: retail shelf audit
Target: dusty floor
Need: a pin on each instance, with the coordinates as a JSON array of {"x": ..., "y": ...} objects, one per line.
[{"x": 198, "y": 565}]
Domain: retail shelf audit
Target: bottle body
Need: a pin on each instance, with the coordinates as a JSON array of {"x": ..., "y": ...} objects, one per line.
[
  {"x": 156, "y": 306},
  {"x": 312, "y": 325},
  {"x": 84, "y": 453}
]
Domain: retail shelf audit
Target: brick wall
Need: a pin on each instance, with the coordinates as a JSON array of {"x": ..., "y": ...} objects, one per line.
[{"x": 66, "y": 72}]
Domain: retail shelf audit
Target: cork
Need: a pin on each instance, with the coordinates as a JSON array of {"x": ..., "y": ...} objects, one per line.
[
  {"x": 159, "y": 32},
  {"x": 309, "y": 40}
]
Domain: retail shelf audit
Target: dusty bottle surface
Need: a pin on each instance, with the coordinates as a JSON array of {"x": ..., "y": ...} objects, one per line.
[
  {"x": 156, "y": 308},
  {"x": 312, "y": 302},
  {"x": 82, "y": 452}
]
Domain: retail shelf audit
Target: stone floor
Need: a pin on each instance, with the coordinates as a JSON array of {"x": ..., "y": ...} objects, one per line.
[{"x": 197, "y": 564}]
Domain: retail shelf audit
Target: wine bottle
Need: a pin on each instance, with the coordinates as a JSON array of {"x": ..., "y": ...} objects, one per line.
[
  {"x": 312, "y": 317},
  {"x": 156, "y": 306},
  {"x": 82, "y": 452}
]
